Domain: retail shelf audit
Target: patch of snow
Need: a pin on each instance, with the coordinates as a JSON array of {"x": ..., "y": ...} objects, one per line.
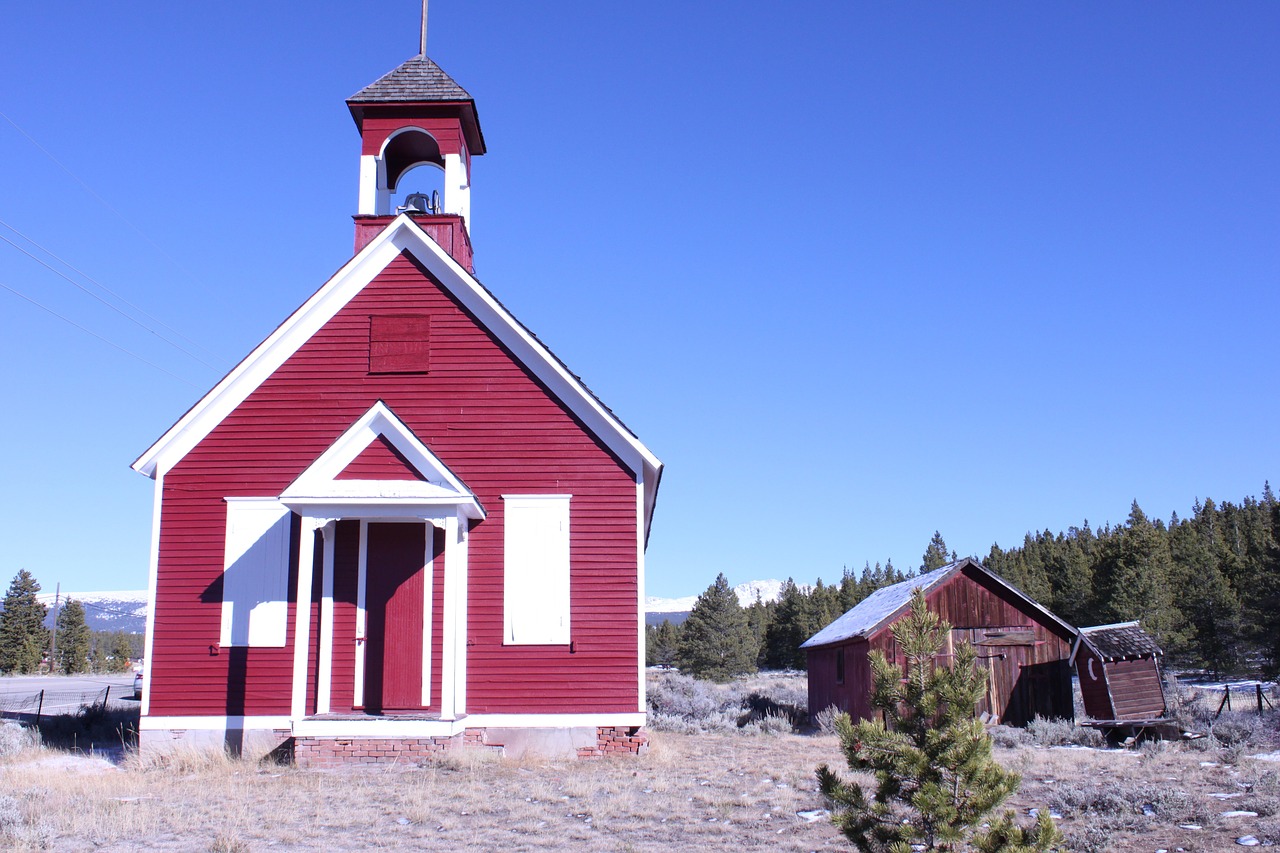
[
  {"x": 767, "y": 590},
  {"x": 1240, "y": 813},
  {"x": 1266, "y": 756},
  {"x": 1248, "y": 841}
]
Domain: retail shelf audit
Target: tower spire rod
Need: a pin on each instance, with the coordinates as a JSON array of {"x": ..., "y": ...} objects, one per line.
[{"x": 422, "y": 39}]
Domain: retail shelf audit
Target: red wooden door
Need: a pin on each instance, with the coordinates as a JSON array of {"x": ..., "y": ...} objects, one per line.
[{"x": 394, "y": 588}]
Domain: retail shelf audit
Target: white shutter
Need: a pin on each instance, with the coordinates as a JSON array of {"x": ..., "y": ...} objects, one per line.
[
  {"x": 255, "y": 574},
  {"x": 536, "y": 569}
]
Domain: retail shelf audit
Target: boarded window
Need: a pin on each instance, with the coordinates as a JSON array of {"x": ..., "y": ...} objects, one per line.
[
  {"x": 255, "y": 574},
  {"x": 839, "y": 666},
  {"x": 535, "y": 608},
  {"x": 399, "y": 343}
]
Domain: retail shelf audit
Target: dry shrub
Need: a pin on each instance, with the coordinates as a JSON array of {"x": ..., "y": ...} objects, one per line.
[
  {"x": 1046, "y": 731},
  {"x": 825, "y": 720},
  {"x": 1010, "y": 737},
  {"x": 15, "y": 739},
  {"x": 21, "y": 823},
  {"x": 766, "y": 704}
]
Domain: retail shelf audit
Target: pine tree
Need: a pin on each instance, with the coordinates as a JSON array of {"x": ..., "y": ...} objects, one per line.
[
  {"x": 23, "y": 637},
  {"x": 73, "y": 639},
  {"x": 935, "y": 778},
  {"x": 1134, "y": 579},
  {"x": 715, "y": 641},
  {"x": 662, "y": 643},
  {"x": 936, "y": 555}
]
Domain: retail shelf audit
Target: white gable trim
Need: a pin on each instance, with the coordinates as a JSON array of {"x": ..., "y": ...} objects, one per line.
[
  {"x": 402, "y": 234},
  {"x": 317, "y": 488}
]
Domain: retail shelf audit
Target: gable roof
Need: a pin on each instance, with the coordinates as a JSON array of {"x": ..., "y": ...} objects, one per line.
[
  {"x": 886, "y": 604},
  {"x": 319, "y": 487},
  {"x": 1119, "y": 641},
  {"x": 403, "y": 235}
]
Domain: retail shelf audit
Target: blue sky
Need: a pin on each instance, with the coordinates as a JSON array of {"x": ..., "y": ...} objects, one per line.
[{"x": 854, "y": 271}]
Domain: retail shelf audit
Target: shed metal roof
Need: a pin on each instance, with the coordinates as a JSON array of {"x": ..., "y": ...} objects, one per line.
[{"x": 883, "y": 605}]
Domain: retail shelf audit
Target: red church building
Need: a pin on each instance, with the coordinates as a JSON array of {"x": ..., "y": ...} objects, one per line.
[{"x": 400, "y": 524}]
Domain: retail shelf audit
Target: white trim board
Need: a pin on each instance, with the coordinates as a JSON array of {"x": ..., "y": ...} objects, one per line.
[{"x": 401, "y": 234}]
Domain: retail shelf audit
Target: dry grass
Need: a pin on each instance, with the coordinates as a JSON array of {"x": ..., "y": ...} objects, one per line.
[
  {"x": 717, "y": 792},
  {"x": 721, "y": 790}
]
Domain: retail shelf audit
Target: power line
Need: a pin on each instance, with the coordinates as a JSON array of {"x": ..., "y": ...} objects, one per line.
[
  {"x": 86, "y": 290},
  {"x": 94, "y": 193},
  {"x": 109, "y": 343},
  {"x": 102, "y": 286}
]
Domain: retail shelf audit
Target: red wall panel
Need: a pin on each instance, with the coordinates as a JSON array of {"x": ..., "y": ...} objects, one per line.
[{"x": 486, "y": 418}]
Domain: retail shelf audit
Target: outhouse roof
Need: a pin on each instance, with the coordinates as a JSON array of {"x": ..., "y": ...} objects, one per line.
[{"x": 1120, "y": 641}]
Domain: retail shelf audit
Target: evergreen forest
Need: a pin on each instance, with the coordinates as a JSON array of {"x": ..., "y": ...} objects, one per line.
[{"x": 1206, "y": 586}]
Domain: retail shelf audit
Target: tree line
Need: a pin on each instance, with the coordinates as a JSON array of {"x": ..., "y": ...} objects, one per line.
[
  {"x": 1207, "y": 587},
  {"x": 27, "y": 646},
  {"x": 721, "y": 638}
]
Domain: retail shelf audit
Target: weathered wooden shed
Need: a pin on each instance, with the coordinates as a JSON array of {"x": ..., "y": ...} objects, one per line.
[
  {"x": 1024, "y": 647},
  {"x": 1119, "y": 669}
]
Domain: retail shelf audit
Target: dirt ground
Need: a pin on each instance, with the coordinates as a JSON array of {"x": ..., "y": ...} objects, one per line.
[{"x": 710, "y": 792}]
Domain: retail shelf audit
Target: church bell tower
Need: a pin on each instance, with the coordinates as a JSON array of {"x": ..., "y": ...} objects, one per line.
[{"x": 415, "y": 115}]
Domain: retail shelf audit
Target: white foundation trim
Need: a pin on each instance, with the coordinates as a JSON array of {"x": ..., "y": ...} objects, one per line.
[
  {"x": 384, "y": 727},
  {"x": 209, "y": 724},
  {"x": 153, "y": 581},
  {"x": 552, "y": 720}
]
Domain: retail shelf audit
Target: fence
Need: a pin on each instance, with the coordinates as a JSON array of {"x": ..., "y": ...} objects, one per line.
[{"x": 30, "y": 707}]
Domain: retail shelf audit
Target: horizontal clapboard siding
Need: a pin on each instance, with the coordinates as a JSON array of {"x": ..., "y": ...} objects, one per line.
[{"x": 486, "y": 418}]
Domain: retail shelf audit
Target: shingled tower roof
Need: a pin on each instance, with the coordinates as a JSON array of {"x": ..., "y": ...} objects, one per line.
[{"x": 419, "y": 79}]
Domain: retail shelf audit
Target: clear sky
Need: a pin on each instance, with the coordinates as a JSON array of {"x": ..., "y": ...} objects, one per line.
[{"x": 855, "y": 272}]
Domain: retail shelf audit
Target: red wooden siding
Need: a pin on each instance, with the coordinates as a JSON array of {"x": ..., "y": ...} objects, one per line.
[
  {"x": 346, "y": 555},
  {"x": 486, "y": 418},
  {"x": 1025, "y": 680},
  {"x": 1093, "y": 688},
  {"x": 380, "y": 461},
  {"x": 1135, "y": 689},
  {"x": 447, "y": 229}
]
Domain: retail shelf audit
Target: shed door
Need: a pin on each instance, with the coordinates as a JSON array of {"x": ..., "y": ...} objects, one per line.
[{"x": 394, "y": 599}]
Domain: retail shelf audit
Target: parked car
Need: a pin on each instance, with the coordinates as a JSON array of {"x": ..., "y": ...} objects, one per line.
[{"x": 137, "y": 685}]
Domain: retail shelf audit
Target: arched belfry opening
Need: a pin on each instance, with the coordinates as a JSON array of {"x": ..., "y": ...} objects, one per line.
[
  {"x": 415, "y": 116},
  {"x": 414, "y": 171},
  {"x": 406, "y": 149}
]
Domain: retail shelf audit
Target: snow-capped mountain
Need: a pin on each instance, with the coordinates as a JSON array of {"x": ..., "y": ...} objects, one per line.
[
  {"x": 121, "y": 610},
  {"x": 675, "y": 609}
]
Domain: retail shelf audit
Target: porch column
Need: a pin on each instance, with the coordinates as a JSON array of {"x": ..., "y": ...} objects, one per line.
[
  {"x": 453, "y": 651},
  {"x": 302, "y": 613},
  {"x": 324, "y": 678}
]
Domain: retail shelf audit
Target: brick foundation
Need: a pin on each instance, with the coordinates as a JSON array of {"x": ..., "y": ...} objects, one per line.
[
  {"x": 326, "y": 752},
  {"x": 617, "y": 740},
  {"x": 321, "y": 752}
]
